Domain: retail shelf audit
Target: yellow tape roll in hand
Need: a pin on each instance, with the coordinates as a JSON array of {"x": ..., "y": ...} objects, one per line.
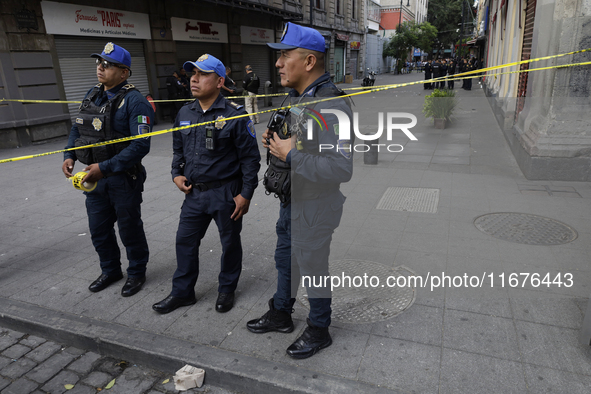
[{"x": 84, "y": 186}]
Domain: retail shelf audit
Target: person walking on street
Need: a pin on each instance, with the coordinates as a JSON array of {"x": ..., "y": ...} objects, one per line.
[
  {"x": 251, "y": 84},
  {"x": 311, "y": 208},
  {"x": 114, "y": 109},
  {"x": 229, "y": 86},
  {"x": 215, "y": 166}
]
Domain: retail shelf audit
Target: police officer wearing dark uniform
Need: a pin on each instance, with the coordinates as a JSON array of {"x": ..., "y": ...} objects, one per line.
[
  {"x": 443, "y": 73},
  {"x": 451, "y": 70},
  {"x": 114, "y": 109},
  {"x": 306, "y": 179},
  {"x": 436, "y": 67},
  {"x": 427, "y": 74},
  {"x": 216, "y": 166},
  {"x": 469, "y": 67}
]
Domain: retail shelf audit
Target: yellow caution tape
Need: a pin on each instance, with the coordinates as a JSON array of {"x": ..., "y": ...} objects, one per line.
[
  {"x": 372, "y": 90},
  {"x": 478, "y": 71},
  {"x": 84, "y": 186}
]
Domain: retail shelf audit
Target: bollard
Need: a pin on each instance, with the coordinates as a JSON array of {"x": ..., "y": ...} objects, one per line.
[
  {"x": 268, "y": 101},
  {"x": 371, "y": 156}
]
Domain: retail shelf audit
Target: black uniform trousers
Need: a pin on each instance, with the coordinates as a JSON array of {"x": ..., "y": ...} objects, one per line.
[
  {"x": 118, "y": 198},
  {"x": 197, "y": 212}
]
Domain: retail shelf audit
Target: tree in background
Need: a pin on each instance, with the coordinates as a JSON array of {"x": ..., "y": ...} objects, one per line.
[
  {"x": 410, "y": 35},
  {"x": 446, "y": 16}
]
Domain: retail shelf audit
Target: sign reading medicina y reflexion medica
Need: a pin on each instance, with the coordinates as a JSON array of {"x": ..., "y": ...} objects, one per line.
[
  {"x": 94, "y": 21},
  {"x": 195, "y": 30}
]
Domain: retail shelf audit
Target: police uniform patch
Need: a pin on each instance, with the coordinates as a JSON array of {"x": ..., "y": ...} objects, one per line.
[
  {"x": 336, "y": 129},
  {"x": 220, "y": 122},
  {"x": 184, "y": 123},
  {"x": 121, "y": 104},
  {"x": 109, "y": 48},
  {"x": 143, "y": 129},
  {"x": 250, "y": 128},
  {"x": 96, "y": 122},
  {"x": 345, "y": 148},
  {"x": 79, "y": 121},
  {"x": 143, "y": 119},
  {"x": 235, "y": 105}
]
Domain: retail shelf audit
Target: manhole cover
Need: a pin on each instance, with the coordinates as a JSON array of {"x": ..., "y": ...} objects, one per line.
[
  {"x": 524, "y": 228},
  {"x": 410, "y": 199},
  {"x": 367, "y": 300}
]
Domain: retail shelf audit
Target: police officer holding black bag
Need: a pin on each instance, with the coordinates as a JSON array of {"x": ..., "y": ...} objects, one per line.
[
  {"x": 114, "y": 109},
  {"x": 306, "y": 180}
]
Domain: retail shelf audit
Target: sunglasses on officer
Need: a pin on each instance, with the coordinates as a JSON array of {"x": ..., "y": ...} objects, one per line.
[{"x": 106, "y": 64}]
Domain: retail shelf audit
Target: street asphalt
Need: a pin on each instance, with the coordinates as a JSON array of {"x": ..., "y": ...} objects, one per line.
[{"x": 494, "y": 330}]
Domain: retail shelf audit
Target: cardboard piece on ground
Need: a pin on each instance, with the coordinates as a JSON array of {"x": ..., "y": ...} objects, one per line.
[{"x": 188, "y": 377}]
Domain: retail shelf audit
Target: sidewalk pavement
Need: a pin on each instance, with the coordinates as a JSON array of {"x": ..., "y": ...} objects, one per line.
[
  {"x": 492, "y": 338},
  {"x": 31, "y": 364}
]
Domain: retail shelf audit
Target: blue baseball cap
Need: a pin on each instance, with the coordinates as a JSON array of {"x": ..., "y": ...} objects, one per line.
[
  {"x": 296, "y": 36},
  {"x": 115, "y": 54},
  {"x": 207, "y": 64}
]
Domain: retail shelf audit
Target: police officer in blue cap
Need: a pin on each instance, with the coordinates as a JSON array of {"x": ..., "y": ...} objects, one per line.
[
  {"x": 216, "y": 166},
  {"x": 306, "y": 179},
  {"x": 114, "y": 109}
]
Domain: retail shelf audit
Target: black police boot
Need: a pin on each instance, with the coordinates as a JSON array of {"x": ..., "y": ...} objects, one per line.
[
  {"x": 312, "y": 340},
  {"x": 273, "y": 320}
]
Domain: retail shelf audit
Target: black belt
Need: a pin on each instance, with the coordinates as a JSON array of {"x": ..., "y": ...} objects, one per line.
[
  {"x": 202, "y": 187},
  {"x": 133, "y": 171}
]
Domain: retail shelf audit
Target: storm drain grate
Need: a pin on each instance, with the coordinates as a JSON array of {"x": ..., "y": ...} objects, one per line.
[
  {"x": 410, "y": 199},
  {"x": 365, "y": 300},
  {"x": 524, "y": 228}
]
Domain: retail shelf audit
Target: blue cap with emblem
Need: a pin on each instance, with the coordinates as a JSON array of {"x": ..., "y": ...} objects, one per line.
[
  {"x": 115, "y": 54},
  {"x": 207, "y": 64},
  {"x": 296, "y": 36}
]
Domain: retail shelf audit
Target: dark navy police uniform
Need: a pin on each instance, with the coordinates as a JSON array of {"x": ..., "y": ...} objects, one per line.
[
  {"x": 306, "y": 222},
  {"x": 118, "y": 196},
  {"x": 217, "y": 176}
]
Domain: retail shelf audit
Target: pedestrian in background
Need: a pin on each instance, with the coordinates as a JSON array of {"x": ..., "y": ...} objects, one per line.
[
  {"x": 229, "y": 86},
  {"x": 427, "y": 74},
  {"x": 451, "y": 70},
  {"x": 216, "y": 166},
  {"x": 251, "y": 84},
  {"x": 176, "y": 91},
  {"x": 114, "y": 109}
]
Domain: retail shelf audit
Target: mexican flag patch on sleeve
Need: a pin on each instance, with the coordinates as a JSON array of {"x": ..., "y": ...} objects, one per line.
[{"x": 143, "y": 119}]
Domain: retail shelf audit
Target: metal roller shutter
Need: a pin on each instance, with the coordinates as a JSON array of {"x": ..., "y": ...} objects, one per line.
[
  {"x": 79, "y": 69},
  {"x": 259, "y": 57},
  {"x": 186, "y": 51}
]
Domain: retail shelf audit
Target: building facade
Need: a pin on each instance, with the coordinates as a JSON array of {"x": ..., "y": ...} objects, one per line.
[
  {"x": 45, "y": 48},
  {"x": 544, "y": 114}
]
